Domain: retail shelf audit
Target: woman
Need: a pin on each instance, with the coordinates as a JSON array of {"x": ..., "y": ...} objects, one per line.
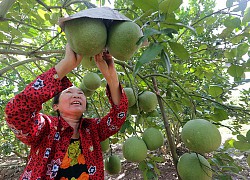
[{"x": 67, "y": 146}]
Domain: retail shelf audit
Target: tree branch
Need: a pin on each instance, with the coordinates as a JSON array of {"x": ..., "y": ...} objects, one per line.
[
  {"x": 44, "y": 5},
  {"x": 4, "y": 70},
  {"x": 19, "y": 52}
]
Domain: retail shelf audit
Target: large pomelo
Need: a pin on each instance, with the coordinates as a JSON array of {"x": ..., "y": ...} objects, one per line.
[
  {"x": 201, "y": 136},
  {"x": 153, "y": 138},
  {"x": 192, "y": 166},
  {"x": 105, "y": 145},
  {"x": 134, "y": 149},
  {"x": 86, "y": 92},
  {"x": 86, "y": 36},
  {"x": 88, "y": 62},
  {"x": 147, "y": 101},
  {"x": 112, "y": 164},
  {"x": 122, "y": 39},
  {"x": 130, "y": 95},
  {"x": 91, "y": 81},
  {"x": 133, "y": 110}
]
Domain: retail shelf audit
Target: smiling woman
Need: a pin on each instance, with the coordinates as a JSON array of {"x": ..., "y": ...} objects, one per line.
[{"x": 66, "y": 146}]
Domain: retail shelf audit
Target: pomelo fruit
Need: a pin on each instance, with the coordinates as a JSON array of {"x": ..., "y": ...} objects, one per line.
[
  {"x": 86, "y": 36},
  {"x": 201, "y": 136},
  {"x": 91, "y": 81},
  {"x": 88, "y": 62},
  {"x": 130, "y": 95},
  {"x": 122, "y": 39},
  {"x": 134, "y": 149},
  {"x": 192, "y": 166},
  {"x": 86, "y": 92},
  {"x": 248, "y": 160},
  {"x": 133, "y": 110},
  {"x": 153, "y": 138},
  {"x": 147, "y": 101},
  {"x": 112, "y": 164},
  {"x": 153, "y": 113},
  {"x": 105, "y": 145}
]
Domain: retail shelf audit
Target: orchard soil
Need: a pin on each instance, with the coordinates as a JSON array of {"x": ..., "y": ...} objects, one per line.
[{"x": 11, "y": 167}]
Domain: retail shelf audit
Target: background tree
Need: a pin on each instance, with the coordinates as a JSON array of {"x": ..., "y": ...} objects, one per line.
[{"x": 195, "y": 57}]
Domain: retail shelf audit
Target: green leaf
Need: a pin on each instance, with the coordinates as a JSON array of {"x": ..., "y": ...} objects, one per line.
[
  {"x": 242, "y": 146},
  {"x": 148, "y": 55},
  {"x": 242, "y": 49},
  {"x": 146, "y": 5},
  {"x": 235, "y": 71},
  {"x": 179, "y": 50},
  {"x": 226, "y": 32},
  {"x": 241, "y": 138},
  {"x": 220, "y": 114},
  {"x": 232, "y": 22},
  {"x": 168, "y": 6},
  {"x": 248, "y": 136},
  {"x": 158, "y": 159},
  {"x": 165, "y": 61},
  {"x": 215, "y": 90},
  {"x": 143, "y": 166},
  {"x": 246, "y": 17}
]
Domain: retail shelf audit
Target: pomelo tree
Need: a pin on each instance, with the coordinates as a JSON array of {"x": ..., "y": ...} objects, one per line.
[{"x": 192, "y": 58}]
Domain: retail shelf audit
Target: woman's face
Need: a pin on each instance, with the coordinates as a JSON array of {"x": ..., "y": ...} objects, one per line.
[{"x": 72, "y": 102}]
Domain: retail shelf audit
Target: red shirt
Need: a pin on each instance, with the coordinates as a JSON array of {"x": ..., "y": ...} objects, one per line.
[{"x": 49, "y": 136}]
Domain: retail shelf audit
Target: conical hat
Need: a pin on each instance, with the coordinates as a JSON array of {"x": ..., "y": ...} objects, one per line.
[{"x": 105, "y": 13}]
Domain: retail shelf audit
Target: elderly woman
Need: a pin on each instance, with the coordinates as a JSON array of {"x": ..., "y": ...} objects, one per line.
[{"x": 66, "y": 146}]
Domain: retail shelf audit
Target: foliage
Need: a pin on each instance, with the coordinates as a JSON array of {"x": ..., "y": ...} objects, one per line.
[{"x": 196, "y": 57}]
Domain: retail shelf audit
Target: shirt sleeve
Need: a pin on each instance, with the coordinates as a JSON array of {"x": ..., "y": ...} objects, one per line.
[
  {"x": 112, "y": 122},
  {"x": 22, "y": 112}
]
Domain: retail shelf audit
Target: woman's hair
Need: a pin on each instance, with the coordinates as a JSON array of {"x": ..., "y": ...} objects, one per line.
[{"x": 56, "y": 99}]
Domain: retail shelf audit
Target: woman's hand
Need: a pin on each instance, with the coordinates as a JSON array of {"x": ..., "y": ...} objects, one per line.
[
  {"x": 71, "y": 60},
  {"x": 106, "y": 65}
]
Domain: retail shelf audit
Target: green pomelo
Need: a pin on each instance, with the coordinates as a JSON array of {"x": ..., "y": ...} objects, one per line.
[
  {"x": 86, "y": 36},
  {"x": 130, "y": 95},
  {"x": 192, "y": 166},
  {"x": 153, "y": 138},
  {"x": 153, "y": 113},
  {"x": 113, "y": 164},
  {"x": 86, "y": 92},
  {"x": 248, "y": 160},
  {"x": 91, "y": 81},
  {"x": 133, "y": 110},
  {"x": 122, "y": 39},
  {"x": 147, "y": 101},
  {"x": 134, "y": 149},
  {"x": 201, "y": 136},
  {"x": 88, "y": 62},
  {"x": 105, "y": 145}
]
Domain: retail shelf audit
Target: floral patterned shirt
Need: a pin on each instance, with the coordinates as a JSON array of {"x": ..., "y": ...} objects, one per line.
[{"x": 49, "y": 136}]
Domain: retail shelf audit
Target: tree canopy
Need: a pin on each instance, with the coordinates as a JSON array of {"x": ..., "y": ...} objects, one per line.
[{"x": 193, "y": 58}]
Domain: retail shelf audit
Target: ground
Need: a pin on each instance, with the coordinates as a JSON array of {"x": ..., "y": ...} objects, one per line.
[{"x": 11, "y": 167}]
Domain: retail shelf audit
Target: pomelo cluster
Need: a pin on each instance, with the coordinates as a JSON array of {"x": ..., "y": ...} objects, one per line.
[
  {"x": 147, "y": 101},
  {"x": 200, "y": 136},
  {"x": 89, "y": 36},
  {"x": 135, "y": 148}
]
